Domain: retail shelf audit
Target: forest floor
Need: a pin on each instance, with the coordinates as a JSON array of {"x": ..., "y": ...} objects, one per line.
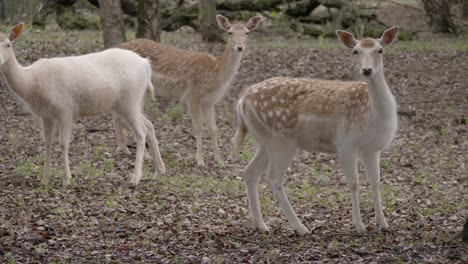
[{"x": 193, "y": 213}]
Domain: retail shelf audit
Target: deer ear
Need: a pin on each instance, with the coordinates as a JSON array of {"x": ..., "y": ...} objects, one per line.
[
  {"x": 16, "y": 31},
  {"x": 223, "y": 22},
  {"x": 389, "y": 36},
  {"x": 254, "y": 22},
  {"x": 346, "y": 38}
]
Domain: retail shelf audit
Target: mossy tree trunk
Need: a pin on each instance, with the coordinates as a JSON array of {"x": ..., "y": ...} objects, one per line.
[
  {"x": 208, "y": 25},
  {"x": 440, "y": 19},
  {"x": 112, "y": 23},
  {"x": 149, "y": 20}
]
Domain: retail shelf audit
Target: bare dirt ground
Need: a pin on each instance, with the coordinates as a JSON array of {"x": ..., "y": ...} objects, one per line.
[{"x": 192, "y": 213}]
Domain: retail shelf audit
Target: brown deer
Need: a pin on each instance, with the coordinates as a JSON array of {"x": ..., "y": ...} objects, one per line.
[
  {"x": 344, "y": 117},
  {"x": 197, "y": 79}
]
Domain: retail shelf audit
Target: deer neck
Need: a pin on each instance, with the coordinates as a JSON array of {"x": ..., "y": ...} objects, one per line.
[
  {"x": 16, "y": 77},
  {"x": 382, "y": 102},
  {"x": 229, "y": 63}
]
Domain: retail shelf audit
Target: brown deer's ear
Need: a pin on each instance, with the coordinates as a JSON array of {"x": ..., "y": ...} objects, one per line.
[
  {"x": 254, "y": 22},
  {"x": 389, "y": 36},
  {"x": 346, "y": 38},
  {"x": 16, "y": 32},
  {"x": 223, "y": 22}
]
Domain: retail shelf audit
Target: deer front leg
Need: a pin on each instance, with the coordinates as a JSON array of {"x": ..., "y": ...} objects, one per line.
[
  {"x": 349, "y": 164},
  {"x": 194, "y": 109},
  {"x": 48, "y": 129},
  {"x": 66, "y": 124},
  {"x": 371, "y": 163},
  {"x": 210, "y": 118}
]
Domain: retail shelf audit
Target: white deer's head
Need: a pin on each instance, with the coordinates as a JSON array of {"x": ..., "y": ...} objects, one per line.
[
  {"x": 368, "y": 50},
  {"x": 6, "y": 42},
  {"x": 238, "y": 32}
]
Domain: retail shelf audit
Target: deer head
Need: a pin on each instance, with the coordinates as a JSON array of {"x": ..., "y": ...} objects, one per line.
[
  {"x": 6, "y": 41},
  {"x": 368, "y": 50},
  {"x": 238, "y": 32}
]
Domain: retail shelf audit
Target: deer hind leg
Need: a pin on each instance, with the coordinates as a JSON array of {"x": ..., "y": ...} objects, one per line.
[
  {"x": 139, "y": 129},
  {"x": 371, "y": 163},
  {"x": 194, "y": 109},
  {"x": 349, "y": 164},
  {"x": 120, "y": 135},
  {"x": 48, "y": 128},
  {"x": 153, "y": 146},
  {"x": 281, "y": 155},
  {"x": 252, "y": 174},
  {"x": 210, "y": 120}
]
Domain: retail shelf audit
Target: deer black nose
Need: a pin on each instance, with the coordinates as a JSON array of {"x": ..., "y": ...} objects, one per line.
[
  {"x": 240, "y": 48},
  {"x": 367, "y": 71}
]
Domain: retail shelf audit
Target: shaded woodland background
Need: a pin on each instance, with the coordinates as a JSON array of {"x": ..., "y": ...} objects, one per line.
[{"x": 318, "y": 18}]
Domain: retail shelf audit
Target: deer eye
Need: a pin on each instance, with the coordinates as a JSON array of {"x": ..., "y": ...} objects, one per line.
[
  {"x": 230, "y": 33},
  {"x": 355, "y": 52},
  {"x": 246, "y": 33},
  {"x": 8, "y": 45},
  {"x": 380, "y": 51}
]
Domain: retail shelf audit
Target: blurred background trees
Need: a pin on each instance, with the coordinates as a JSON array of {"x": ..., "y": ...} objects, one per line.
[{"x": 317, "y": 18}]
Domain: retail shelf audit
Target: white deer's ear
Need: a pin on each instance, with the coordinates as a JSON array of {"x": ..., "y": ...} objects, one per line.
[
  {"x": 389, "y": 36},
  {"x": 254, "y": 22},
  {"x": 346, "y": 38},
  {"x": 223, "y": 22},
  {"x": 16, "y": 31}
]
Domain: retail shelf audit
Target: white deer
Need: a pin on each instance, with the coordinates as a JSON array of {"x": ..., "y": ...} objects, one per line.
[
  {"x": 197, "y": 79},
  {"x": 344, "y": 117},
  {"x": 60, "y": 90}
]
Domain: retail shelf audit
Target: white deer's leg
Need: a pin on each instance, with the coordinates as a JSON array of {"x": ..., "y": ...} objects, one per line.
[
  {"x": 210, "y": 117},
  {"x": 371, "y": 163},
  {"x": 139, "y": 129},
  {"x": 194, "y": 109},
  {"x": 66, "y": 124},
  {"x": 120, "y": 135},
  {"x": 153, "y": 147},
  {"x": 349, "y": 164},
  {"x": 48, "y": 129},
  {"x": 280, "y": 158},
  {"x": 252, "y": 175}
]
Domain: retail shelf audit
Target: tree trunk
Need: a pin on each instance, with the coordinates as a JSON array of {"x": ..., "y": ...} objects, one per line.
[
  {"x": 465, "y": 9},
  {"x": 112, "y": 23},
  {"x": 208, "y": 25},
  {"x": 440, "y": 20},
  {"x": 464, "y": 233},
  {"x": 149, "y": 20}
]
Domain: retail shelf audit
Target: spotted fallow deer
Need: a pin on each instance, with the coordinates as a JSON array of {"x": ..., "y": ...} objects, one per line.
[
  {"x": 60, "y": 90},
  {"x": 344, "y": 117},
  {"x": 197, "y": 79}
]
